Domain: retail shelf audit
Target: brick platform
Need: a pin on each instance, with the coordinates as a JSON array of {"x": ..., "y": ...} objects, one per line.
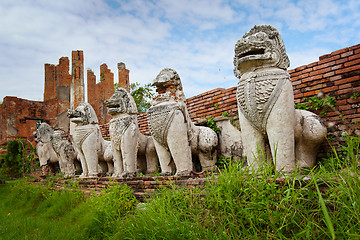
[{"x": 143, "y": 187}]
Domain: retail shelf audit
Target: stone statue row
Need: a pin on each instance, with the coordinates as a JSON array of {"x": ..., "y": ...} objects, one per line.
[{"x": 271, "y": 129}]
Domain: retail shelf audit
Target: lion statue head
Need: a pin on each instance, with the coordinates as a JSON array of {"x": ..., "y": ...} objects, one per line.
[
  {"x": 121, "y": 102},
  {"x": 43, "y": 133},
  {"x": 84, "y": 114},
  {"x": 168, "y": 86},
  {"x": 261, "y": 47}
]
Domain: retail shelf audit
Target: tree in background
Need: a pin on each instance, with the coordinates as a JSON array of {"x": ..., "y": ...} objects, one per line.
[{"x": 142, "y": 95}]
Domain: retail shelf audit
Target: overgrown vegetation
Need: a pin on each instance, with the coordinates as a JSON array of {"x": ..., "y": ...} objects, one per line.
[
  {"x": 142, "y": 95},
  {"x": 317, "y": 104},
  {"x": 238, "y": 205},
  {"x": 212, "y": 124},
  {"x": 18, "y": 160}
]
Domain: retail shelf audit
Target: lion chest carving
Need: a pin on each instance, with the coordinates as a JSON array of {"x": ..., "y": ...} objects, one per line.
[
  {"x": 91, "y": 147},
  {"x": 257, "y": 93},
  {"x": 266, "y": 102},
  {"x": 132, "y": 151},
  {"x": 160, "y": 118}
]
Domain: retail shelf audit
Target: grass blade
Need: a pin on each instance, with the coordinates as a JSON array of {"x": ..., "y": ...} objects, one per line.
[{"x": 326, "y": 213}]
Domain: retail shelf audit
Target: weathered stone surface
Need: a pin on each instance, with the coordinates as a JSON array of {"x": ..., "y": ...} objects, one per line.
[
  {"x": 310, "y": 132},
  {"x": 133, "y": 152},
  {"x": 65, "y": 153},
  {"x": 90, "y": 146},
  {"x": 44, "y": 149},
  {"x": 266, "y": 103},
  {"x": 175, "y": 135},
  {"x": 230, "y": 141}
]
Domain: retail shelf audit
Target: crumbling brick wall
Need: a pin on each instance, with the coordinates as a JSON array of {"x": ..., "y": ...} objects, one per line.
[
  {"x": 18, "y": 118},
  {"x": 57, "y": 93}
]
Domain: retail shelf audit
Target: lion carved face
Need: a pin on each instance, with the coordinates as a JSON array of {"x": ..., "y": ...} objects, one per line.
[
  {"x": 84, "y": 114},
  {"x": 261, "y": 47},
  {"x": 168, "y": 86},
  {"x": 43, "y": 133},
  {"x": 121, "y": 102}
]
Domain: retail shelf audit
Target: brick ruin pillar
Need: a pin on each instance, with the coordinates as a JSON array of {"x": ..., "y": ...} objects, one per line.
[
  {"x": 91, "y": 87},
  {"x": 77, "y": 84},
  {"x": 105, "y": 91},
  {"x": 50, "y": 82},
  {"x": 63, "y": 83},
  {"x": 123, "y": 76},
  {"x": 77, "y": 94},
  {"x": 99, "y": 92}
]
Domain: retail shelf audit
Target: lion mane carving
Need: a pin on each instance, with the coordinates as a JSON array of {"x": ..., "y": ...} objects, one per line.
[
  {"x": 266, "y": 103},
  {"x": 90, "y": 146},
  {"x": 133, "y": 152},
  {"x": 175, "y": 135}
]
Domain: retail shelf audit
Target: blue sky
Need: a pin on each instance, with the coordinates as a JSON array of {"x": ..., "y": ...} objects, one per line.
[{"x": 194, "y": 37}]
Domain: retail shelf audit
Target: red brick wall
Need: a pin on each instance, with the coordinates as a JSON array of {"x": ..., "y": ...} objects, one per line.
[
  {"x": 337, "y": 75},
  {"x": 212, "y": 104},
  {"x": 18, "y": 118}
]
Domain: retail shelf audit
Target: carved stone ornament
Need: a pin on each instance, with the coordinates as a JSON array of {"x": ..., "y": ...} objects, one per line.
[
  {"x": 160, "y": 118},
  {"x": 257, "y": 94},
  {"x": 118, "y": 127}
]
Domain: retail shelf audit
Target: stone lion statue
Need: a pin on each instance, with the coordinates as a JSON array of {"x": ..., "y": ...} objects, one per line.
[
  {"x": 133, "y": 152},
  {"x": 175, "y": 136},
  {"x": 266, "y": 104},
  {"x": 52, "y": 149},
  {"x": 44, "y": 150},
  {"x": 89, "y": 144}
]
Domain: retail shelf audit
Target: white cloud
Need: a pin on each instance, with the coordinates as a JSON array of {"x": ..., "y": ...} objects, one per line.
[{"x": 196, "y": 38}]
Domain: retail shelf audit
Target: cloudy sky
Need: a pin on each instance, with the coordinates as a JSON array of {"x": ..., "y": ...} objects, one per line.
[{"x": 194, "y": 37}]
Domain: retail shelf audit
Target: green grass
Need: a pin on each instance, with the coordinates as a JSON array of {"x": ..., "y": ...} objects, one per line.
[
  {"x": 28, "y": 211},
  {"x": 238, "y": 205}
]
